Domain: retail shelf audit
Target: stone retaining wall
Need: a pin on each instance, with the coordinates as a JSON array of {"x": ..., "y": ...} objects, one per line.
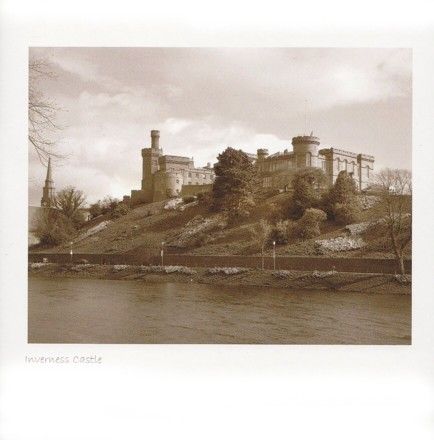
[{"x": 361, "y": 265}]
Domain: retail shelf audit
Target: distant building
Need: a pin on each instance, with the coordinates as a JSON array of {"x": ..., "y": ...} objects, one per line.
[
  {"x": 48, "y": 191},
  {"x": 165, "y": 176},
  {"x": 47, "y": 201},
  {"x": 277, "y": 170}
]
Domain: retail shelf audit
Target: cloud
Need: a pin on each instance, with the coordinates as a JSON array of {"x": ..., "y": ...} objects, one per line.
[{"x": 203, "y": 100}]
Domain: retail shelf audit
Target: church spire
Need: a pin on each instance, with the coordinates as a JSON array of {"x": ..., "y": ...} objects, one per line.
[
  {"x": 48, "y": 192},
  {"x": 48, "y": 178}
]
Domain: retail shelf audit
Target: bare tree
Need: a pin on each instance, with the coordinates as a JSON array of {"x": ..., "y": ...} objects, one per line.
[
  {"x": 42, "y": 111},
  {"x": 70, "y": 202},
  {"x": 395, "y": 192},
  {"x": 261, "y": 233}
]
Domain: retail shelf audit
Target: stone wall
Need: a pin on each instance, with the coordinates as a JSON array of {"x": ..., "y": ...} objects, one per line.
[
  {"x": 192, "y": 190},
  {"x": 359, "y": 265}
]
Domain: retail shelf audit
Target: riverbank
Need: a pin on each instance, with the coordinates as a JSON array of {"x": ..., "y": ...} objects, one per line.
[{"x": 284, "y": 279}]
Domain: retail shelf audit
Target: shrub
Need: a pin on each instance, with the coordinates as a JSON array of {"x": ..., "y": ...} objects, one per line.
[
  {"x": 346, "y": 213},
  {"x": 279, "y": 233},
  {"x": 204, "y": 198},
  {"x": 120, "y": 210},
  {"x": 309, "y": 225},
  {"x": 53, "y": 227},
  {"x": 95, "y": 210},
  {"x": 341, "y": 202},
  {"x": 108, "y": 205},
  {"x": 275, "y": 214},
  {"x": 188, "y": 199},
  {"x": 307, "y": 185}
]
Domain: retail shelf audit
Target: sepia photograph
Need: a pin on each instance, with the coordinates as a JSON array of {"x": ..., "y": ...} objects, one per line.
[
  {"x": 242, "y": 195},
  {"x": 216, "y": 220}
]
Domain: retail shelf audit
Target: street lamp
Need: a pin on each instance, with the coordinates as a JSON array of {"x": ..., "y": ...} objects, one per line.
[
  {"x": 274, "y": 255},
  {"x": 162, "y": 253},
  {"x": 70, "y": 252}
]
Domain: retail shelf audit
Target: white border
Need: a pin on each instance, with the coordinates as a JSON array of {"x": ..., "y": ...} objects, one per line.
[{"x": 212, "y": 391}]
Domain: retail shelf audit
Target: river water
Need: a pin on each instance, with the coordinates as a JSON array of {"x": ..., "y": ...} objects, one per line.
[{"x": 127, "y": 312}]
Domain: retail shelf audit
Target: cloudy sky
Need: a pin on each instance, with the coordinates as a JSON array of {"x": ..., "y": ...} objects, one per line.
[{"x": 203, "y": 100}]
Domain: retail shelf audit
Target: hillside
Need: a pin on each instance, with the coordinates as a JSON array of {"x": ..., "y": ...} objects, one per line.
[{"x": 191, "y": 228}]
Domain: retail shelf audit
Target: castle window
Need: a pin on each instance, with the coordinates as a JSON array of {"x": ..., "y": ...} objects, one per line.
[{"x": 189, "y": 174}]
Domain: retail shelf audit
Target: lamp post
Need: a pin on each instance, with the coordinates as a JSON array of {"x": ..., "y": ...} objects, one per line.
[
  {"x": 162, "y": 253},
  {"x": 70, "y": 253},
  {"x": 274, "y": 255}
]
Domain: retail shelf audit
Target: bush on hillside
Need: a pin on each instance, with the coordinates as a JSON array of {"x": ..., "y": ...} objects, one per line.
[
  {"x": 275, "y": 214},
  {"x": 342, "y": 203},
  {"x": 120, "y": 210},
  {"x": 95, "y": 210},
  {"x": 109, "y": 205},
  {"x": 346, "y": 213},
  {"x": 309, "y": 225},
  {"x": 53, "y": 227},
  {"x": 307, "y": 185},
  {"x": 279, "y": 233},
  {"x": 188, "y": 199},
  {"x": 204, "y": 199}
]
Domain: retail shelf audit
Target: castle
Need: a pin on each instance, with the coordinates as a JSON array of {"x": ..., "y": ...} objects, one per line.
[
  {"x": 166, "y": 176},
  {"x": 170, "y": 176},
  {"x": 277, "y": 170}
]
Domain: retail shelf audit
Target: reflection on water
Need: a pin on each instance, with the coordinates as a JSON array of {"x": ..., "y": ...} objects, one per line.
[{"x": 107, "y": 311}]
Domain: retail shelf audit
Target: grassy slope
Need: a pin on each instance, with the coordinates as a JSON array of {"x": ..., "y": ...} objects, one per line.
[{"x": 145, "y": 227}]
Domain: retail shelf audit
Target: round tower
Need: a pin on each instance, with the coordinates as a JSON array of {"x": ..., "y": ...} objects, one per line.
[
  {"x": 167, "y": 184},
  {"x": 155, "y": 139},
  {"x": 306, "y": 151}
]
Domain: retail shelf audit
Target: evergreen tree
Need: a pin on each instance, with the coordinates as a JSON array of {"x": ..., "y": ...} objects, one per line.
[
  {"x": 342, "y": 204},
  {"x": 307, "y": 185},
  {"x": 235, "y": 183},
  {"x": 344, "y": 189},
  {"x": 308, "y": 226}
]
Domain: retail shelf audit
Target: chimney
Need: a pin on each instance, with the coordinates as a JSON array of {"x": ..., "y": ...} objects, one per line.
[{"x": 155, "y": 136}]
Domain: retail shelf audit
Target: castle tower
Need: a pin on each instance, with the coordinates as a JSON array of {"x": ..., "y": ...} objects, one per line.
[
  {"x": 150, "y": 164},
  {"x": 306, "y": 151},
  {"x": 48, "y": 192}
]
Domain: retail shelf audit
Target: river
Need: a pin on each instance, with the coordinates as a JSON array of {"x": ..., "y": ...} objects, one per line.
[{"x": 132, "y": 312}]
